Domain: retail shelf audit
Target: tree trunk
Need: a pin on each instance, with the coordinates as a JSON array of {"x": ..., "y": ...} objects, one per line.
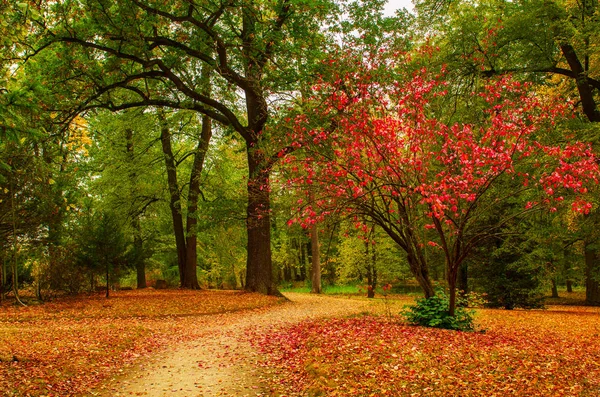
[
  {"x": 191, "y": 261},
  {"x": 410, "y": 243},
  {"x": 370, "y": 291},
  {"x": 316, "y": 259},
  {"x": 463, "y": 278},
  {"x": 451, "y": 277},
  {"x": 452, "y": 303},
  {"x": 303, "y": 260},
  {"x": 569, "y": 286},
  {"x": 592, "y": 287},
  {"x": 419, "y": 269},
  {"x": 107, "y": 279},
  {"x": 554, "y": 289},
  {"x": 15, "y": 272},
  {"x": 259, "y": 268},
  {"x": 174, "y": 197},
  {"x": 371, "y": 271},
  {"x": 374, "y": 269},
  {"x": 2, "y": 278},
  {"x": 586, "y": 92},
  {"x": 287, "y": 272},
  {"x": 138, "y": 242}
]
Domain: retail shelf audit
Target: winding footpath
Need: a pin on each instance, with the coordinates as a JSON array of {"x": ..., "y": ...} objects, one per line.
[{"x": 224, "y": 363}]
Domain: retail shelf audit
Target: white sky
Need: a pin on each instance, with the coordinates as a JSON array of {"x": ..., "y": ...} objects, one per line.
[{"x": 393, "y": 5}]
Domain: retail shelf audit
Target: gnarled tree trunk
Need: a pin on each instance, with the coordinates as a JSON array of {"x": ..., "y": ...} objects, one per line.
[{"x": 259, "y": 277}]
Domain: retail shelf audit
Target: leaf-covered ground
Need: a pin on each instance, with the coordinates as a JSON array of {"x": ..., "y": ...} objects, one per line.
[
  {"x": 555, "y": 352},
  {"x": 306, "y": 347},
  {"x": 65, "y": 347},
  {"x": 222, "y": 362}
]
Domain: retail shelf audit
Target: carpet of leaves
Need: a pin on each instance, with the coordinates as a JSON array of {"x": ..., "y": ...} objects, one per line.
[
  {"x": 554, "y": 352},
  {"x": 65, "y": 347}
]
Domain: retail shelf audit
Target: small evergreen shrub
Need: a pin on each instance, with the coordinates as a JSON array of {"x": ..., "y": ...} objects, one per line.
[{"x": 433, "y": 312}]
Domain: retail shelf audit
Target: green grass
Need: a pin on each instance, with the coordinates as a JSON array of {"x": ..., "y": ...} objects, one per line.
[
  {"x": 327, "y": 289},
  {"x": 293, "y": 288},
  {"x": 350, "y": 289}
]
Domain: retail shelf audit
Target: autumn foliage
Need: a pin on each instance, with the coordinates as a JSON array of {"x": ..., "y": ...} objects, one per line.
[
  {"x": 381, "y": 146},
  {"x": 66, "y": 347},
  {"x": 536, "y": 353}
]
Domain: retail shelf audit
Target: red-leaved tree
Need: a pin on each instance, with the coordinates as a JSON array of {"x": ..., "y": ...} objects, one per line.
[{"x": 376, "y": 146}]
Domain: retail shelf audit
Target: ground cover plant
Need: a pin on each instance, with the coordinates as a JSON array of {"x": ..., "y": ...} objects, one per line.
[
  {"x": 525, "y": 353},
  {"x": 65, "y": 347}
]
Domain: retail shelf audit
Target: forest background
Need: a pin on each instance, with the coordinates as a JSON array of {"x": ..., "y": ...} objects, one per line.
[{"x": 152, "y": 142}]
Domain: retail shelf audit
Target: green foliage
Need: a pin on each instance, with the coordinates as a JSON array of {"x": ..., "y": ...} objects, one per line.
[
  {"x": 353, "y": 259},
  {"x": 102, "y": 244},
  {"x": 341, "y": 289},
  {"x": 512, "y": 285},
  {"x": 433, "y": 312},
  {"x": 514, "y": 274}
]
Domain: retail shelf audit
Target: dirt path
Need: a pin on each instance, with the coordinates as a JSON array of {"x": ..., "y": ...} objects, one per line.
[{"x": 223, "y": 363}]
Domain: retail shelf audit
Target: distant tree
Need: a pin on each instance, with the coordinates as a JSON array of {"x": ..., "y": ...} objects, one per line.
[
  {"x": 514, "y": 274},
  {"x": 102, "y": 246}
]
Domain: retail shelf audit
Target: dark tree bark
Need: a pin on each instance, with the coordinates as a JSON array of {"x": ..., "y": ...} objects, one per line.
[
  {"x": 15, "y": 270},
  {"x": 259, "y": 276},
  {"x": 371, "y": 257},
  {"x": 370, "y": 290},
  {"x": 569, "y": 286},
  {"x": 592, "y": 271},
  {"x": 287, "y": 273},
  {"x": 554, "y": 289},
  {"x": 174, "y": 197},
  {"x": 586, "y": 91},
  {"x": 186, "y": 242},
  {"x": 451, "y": 277},
  {"x": 418, "y": 267},
  {"x": 191, "y": 261},
  {"x": 2, "y": 278},
  {"x": 463, "y": 278},
  {"x": 404, "y": 236},
  {"x": 107, "y": 279}
]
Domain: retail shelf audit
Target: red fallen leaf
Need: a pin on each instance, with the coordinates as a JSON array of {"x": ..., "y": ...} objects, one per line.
[
  {"x": 522, "y": 353},
  {"x": 89, "y": 342}
]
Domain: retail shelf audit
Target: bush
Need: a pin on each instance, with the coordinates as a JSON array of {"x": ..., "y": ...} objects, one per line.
[
  {"x": 61, "y": 272},
  {"x": 433, "y": 312}
]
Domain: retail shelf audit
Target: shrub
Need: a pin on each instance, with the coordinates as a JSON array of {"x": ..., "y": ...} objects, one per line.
[{"x": 433, "y": 312}]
